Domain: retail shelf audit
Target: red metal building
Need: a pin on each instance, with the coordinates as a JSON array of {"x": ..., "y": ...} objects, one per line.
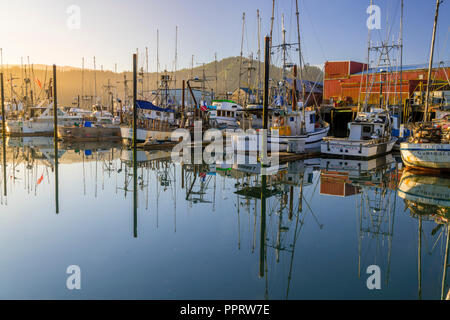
[{"x": 346, "y": 82}]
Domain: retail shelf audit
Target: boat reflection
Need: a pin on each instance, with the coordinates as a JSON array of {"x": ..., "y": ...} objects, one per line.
[
  {"x": 427, "y": 197},
  {"x": 373, "y": 183}
]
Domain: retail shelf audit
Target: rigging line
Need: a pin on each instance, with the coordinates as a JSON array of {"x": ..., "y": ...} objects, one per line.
[
  {"x": 445, "y": 42},
  {"x": 313, "y": 214}
]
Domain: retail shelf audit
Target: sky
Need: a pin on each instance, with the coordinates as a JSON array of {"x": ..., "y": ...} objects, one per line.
[{"x": 112, "y": 30}]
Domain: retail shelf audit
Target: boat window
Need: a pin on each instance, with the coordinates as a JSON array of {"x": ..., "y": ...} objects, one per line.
[
  {"x": 292, "y": 119},
  {"x": 311, "y": 118},
  {"x": 367, "y": 129}
]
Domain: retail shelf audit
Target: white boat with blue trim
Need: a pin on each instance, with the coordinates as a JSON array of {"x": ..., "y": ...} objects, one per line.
[{"x": 370, "y": 136}]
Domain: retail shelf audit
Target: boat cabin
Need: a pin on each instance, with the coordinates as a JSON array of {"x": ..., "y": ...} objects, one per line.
[
  {"x": 370, "y": 125},
  {"x": 290, "y": 124},
  {"x": 225, "y": 112}
]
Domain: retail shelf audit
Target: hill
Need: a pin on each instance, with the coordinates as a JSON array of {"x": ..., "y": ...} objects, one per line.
[{"x": 70, "y": 84}]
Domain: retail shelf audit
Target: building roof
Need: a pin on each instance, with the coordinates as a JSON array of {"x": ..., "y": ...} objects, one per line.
[
  {"x": 411, "y": 67},
  {"x": 310, "y": 86}
]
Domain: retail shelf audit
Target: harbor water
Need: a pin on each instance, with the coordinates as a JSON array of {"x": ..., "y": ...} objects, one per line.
[{"x": 310, "y": 230}]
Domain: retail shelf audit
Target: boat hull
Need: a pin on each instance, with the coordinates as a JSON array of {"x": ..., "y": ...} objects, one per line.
[
  {"x": 89, "y": 133},
  {"x": 356, "y": 149},
  {"x": 17, "y": 128},
  {"x": 426, "y": 156},
  {"x": 243, "y": 142},
  {"x": 143, "y": 135}
]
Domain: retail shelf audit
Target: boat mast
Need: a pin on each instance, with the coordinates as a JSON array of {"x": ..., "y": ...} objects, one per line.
[
  {"x": 215, "y": 67},
  {"x": 157, "y": 66},
  {"x": 430, "y": 65},
  {"x": 401, "y": 53},
  {"x": 283, "y": 46},
  {"x": 271, "y": 21},
  {"x": 146, "y": 69},
  {"x": 300, "y": 65},
  {"x": 82, "y": 82},
  {"x": 95, "y": 82},
  {"x": 176, "y": 58},
  {"x": 259, "y": 55},
  {"x": 240, "y": 59}
]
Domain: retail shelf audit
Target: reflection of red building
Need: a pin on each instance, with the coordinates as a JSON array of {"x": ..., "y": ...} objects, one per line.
[
  {"x": 336, "y": 184},
  {"x": 348, "y": 81}
]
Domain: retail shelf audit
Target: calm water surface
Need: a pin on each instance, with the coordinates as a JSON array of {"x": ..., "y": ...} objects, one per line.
[{"x": 200, "y": 232}]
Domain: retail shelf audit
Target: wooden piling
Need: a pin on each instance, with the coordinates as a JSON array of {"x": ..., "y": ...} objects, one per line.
[
  {"x": 135, "y": 146},
  {"x": 55, "y": 138},
  {"x": 3, "y": 133}
]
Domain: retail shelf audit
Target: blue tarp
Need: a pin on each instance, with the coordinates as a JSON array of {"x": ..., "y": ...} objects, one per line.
[{"x": 147, "y": 105}]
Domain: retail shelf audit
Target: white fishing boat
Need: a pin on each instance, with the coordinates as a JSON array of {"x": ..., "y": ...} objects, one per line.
[
  {"x": 224, "y": 113},
  {"x": 370, "y": 136},
  {"x": 429, "y": 147},
  {"x": 42, "y": 122},
  {"x": 153, "y": 123},
  {"x": 293, "y": 131}
]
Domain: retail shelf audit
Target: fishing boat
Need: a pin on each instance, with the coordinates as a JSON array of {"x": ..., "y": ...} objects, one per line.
[
  {"x": 295, "y": 126},
  {"x": 89, "y": 132},
  {"x": 224, "y": 113},
  {"x": 153, "y": 123},
  {"x": 429, "y": 147},
  {"x": 41, "y": 123},
  {"x": 370, "y": 136}
]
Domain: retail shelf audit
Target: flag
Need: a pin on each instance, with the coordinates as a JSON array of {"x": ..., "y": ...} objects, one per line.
[
  {"x": 38, "y": 83},
  {"x": 40, "y": 179},
  {"x": 204, "y": 107}
]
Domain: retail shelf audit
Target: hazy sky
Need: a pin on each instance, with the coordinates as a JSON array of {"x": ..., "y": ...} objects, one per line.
[{"x": 113, "y": 29}]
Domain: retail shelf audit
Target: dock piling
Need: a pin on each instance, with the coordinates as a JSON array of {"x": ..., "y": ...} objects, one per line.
[{"x": 3, "y": 133}]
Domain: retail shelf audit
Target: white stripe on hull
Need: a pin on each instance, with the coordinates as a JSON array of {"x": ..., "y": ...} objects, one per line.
[{"x": 426, "y": 155}]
